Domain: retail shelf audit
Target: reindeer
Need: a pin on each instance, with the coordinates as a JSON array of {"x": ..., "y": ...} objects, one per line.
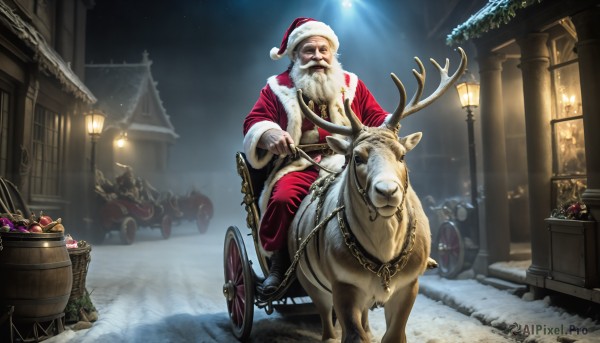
[{"x": 361, "y": 237}]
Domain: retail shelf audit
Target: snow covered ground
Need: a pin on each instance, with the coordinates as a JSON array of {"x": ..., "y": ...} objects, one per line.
[{"x": 171, "y": 291}]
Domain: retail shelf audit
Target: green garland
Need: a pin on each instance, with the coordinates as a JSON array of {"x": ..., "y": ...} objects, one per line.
[
  {"x": 491, "y": 16},
  {"x": 74, "y": 306}
]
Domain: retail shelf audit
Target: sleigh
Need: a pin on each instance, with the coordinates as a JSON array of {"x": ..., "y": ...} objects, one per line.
[{"x": 241, "y": 280}]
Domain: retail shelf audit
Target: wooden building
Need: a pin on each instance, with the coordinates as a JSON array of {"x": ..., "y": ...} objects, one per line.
[
  {"x": 42, "y": 101},
  {"x": 138, "y": 131},
  {"x": 549, "y": 51}
]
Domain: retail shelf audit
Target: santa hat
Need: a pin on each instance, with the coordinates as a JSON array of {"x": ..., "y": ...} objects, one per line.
[{"x": 301, "y": 29}]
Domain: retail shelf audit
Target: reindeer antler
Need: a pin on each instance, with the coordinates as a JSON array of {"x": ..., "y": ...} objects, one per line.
[
  {"x": 329, "y": 126},
  {"x": 415, "y": 103}
]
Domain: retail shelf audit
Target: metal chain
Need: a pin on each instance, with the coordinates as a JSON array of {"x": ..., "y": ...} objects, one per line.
[
  {"x": 290, "y": 271},
  {"x": 383, "y": 270},
  {"x": 319, "y": 188}
]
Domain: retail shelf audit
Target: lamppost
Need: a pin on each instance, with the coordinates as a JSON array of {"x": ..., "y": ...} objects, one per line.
[
  {"x": 94, "y": 122},
  {"x": 468, "y": 93}
]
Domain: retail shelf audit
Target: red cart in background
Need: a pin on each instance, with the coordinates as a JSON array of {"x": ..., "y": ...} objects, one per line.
[
  {"x": 192, "y": 206},
  {"x": 131, "y": 202}
]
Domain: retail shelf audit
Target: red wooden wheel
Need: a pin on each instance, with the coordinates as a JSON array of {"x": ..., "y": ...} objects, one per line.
[
  {"x": 239, "y": 284},
  {"x": 165, "y": 226},
  {"x": 451, "y": 250},
  {"x": 128, "y": 229}
]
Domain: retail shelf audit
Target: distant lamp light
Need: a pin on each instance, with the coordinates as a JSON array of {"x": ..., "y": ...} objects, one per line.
[
  {"x": 94, "y": 123},
  {"x": 121, "y": 140},
  {"x": 468, "y": 90},
  {"x": 347, "y": 3}
]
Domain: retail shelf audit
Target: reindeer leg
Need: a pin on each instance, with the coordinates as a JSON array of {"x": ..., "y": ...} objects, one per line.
[
  {"x": 365, "y": 322},
  {"x": 324, "y": 305},
  {"x": 348, "y": 302},
  {"x": 397, "y": 309}
]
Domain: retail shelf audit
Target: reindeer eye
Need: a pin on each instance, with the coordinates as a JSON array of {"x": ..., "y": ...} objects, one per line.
[{"x": 358, "y": 159}]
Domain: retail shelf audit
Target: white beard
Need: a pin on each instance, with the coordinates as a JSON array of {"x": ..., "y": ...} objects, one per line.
[{"x": 321, "y": 87}]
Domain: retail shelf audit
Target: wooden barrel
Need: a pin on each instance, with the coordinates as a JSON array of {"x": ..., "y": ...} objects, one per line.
[{"x": 36, "y": 274}]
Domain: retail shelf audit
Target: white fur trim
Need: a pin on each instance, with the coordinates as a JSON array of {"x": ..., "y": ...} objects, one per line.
[
  {"x": 310, "y": 136},
  {"x": 257, "y": 157},
  {"x": 274, "y": 54},
  {"x": 287, "y": 96},
  {"x": 308, "y": 29}
]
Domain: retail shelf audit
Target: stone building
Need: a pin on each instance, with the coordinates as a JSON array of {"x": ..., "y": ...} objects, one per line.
[{"x": 547, "y": 50}]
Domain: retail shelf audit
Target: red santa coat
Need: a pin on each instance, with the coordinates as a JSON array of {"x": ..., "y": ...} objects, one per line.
[{"x": 277, "y": 107}]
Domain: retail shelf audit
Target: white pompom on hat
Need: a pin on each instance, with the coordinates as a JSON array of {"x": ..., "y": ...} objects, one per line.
[{"x": 300, "y": 29}]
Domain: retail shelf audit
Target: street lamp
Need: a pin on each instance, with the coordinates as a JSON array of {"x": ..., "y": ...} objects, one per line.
[
  {"x": 94, "y": 122},
  {"x": 468, "y": 93}
]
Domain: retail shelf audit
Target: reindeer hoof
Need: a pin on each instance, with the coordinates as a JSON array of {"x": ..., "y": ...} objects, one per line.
[{"x": 431, "y": 263}]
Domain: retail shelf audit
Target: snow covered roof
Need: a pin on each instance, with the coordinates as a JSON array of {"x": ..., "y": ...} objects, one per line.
[
  {"x": 489, "y": 17},
  {"x": 120, "y": 87},
  {"x": 44, "y": 55},
  {"x": 117, "y": 87}
]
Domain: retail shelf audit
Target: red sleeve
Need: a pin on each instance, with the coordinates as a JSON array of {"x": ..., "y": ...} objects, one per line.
[
  {"x": 267, "y": 107},
  {"x": 366, "y": 107}
]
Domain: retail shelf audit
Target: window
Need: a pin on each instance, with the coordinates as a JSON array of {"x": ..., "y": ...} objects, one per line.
[
  {"x": 145, "y": 106},
  {"x": 568, "y": 148},
  {"x": 4, "y": 132},
  {"x": 47, "y": 152}
]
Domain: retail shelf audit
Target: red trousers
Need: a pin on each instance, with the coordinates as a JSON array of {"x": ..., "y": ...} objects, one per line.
[{"x": 286, "y": 197}]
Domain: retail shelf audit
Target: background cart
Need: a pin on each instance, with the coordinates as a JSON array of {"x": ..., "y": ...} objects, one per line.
[
  {"x": 455, "y": 235},
  {"x": 192, "y": 206},
  {"x": 126, "y": 204}
]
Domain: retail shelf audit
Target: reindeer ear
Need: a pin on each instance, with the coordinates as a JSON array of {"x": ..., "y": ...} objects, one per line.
[
  {"x": 338, "y": 145},
  {"x": 411, "y": 140}
]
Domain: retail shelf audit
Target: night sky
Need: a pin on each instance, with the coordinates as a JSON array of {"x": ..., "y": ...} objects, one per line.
[{"x": 211, "y": 58}]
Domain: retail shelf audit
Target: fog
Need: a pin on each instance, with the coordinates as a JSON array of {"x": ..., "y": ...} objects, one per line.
[{"x": 210, "y": 59}]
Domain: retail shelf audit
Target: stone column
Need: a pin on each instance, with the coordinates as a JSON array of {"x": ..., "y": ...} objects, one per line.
[
  {"x": 494, "y": 233},
  {"x": 587, "y": 24},
  {"x": 535, "y": 60}
]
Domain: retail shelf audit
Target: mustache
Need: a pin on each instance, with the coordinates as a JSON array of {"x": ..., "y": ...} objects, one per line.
[{"x": 314, "y": 64}]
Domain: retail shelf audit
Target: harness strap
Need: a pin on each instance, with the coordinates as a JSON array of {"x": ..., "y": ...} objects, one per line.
[
  {"x": 290, "y": 272},
  {"x": 299, "y": 151}
]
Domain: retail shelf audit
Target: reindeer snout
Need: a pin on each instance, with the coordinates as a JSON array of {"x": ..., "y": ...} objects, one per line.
[{"x": 386, "y": 189}]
